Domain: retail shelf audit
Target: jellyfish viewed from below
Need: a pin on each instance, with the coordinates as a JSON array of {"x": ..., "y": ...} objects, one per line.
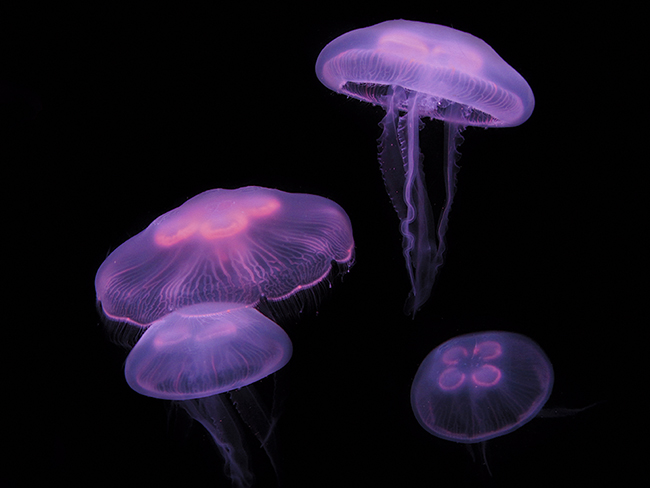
[
  {"x": 188, "y": 286},
  {"x": 479, "y": 386},
  {"x": 415, "y": 70}
]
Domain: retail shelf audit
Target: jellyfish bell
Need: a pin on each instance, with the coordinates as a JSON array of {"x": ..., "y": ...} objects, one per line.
[
  {"x": 479, "y": 386},
  {"x": 415, "y": 70},
  {"x": 213, "y": 219},
  {"x": 225, "y": 246},
  {"x": 439, "y": 65},
  {"x": 206, "y": 349}
]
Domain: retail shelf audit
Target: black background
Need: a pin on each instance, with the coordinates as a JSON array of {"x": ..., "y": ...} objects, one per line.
[{"x": 112, "y": 117}]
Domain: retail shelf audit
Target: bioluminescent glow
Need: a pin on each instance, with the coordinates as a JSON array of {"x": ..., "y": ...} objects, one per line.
[
  {"x": 479, "y": 386},
  {"x": 206, "y": 349},
  {"x": 226, "y": 246},
  {"x": 415, "y": 70}
]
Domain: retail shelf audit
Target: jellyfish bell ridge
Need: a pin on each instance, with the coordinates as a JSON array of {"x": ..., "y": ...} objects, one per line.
[
  {"x": 447, "y": 67},
  {"x": 220, "y": 220},
  {"x": 206, "y": 349},
  {"x": 469, "y": 368}
]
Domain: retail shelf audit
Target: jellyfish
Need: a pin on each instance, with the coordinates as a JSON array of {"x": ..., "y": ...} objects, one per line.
[
  {"x": 189, "y": 286},
  {"x": 479, "y": 386},
  {"x": 227, "y": 246},
  {"x": 206, "y": 349},
  {"x": 415, "y": 70},
  {"x": 197, "y": 352}
]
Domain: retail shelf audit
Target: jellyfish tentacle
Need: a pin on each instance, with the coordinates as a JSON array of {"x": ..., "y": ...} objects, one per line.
[
  {"x": 419, "y": 245},
  {"x": 453, "y": 139},
  {"x": 390, "y": 157},
  {"x": 219, "y": 419},
  {"x": 401, "y": 164},
  {"x": 260, "y": 419}
]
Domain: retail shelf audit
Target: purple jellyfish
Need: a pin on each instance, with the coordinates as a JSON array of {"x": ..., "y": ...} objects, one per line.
[
  {"x": 205, "y": 349},
  {"x": 479, "y": 386},
  {"x": 188, "y": 285},
  {"x": 229, "y": 246},
  {"x": 415, "y": 70}
]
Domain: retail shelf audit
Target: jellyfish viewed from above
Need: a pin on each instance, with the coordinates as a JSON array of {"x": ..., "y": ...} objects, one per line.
[
  {"x": 415, "y": 70},
  {"x": 205, "y": 349},
  {"x": 187, "y": 288},
  {"x": 227, "y": 246},
  {"x": 479, "y": 386}
]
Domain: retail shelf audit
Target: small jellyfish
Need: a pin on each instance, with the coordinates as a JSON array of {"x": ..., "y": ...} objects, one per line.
[
  {"x": 195, "y": 353},
  {"x": 205, "y": 349},
  {"x": 415, "y": 70},
  {"x": 188, "y": 285},
  {"x": 479, "y": 386}
]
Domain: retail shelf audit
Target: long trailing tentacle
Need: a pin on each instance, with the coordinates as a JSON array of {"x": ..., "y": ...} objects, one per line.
[
  {"x": 219, "y": 418},
  {"x": 400, "y": 160}
]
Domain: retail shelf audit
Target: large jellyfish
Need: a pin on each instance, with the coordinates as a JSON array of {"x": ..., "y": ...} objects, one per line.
[
  {"x": 415, "y": 70},
  {"x": 188, "y": 286},
  {"x": 229, "y": 246}
]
